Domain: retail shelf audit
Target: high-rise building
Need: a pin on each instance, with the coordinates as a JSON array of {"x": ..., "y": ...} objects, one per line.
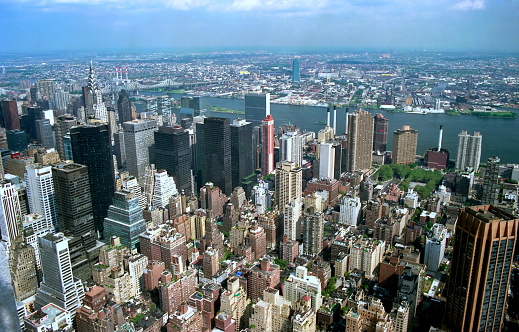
[
  {"x": 291, "y": 214},
  {"x": 164, "y": 187},
  {"x": 490, "y": 194},
  {"x": 480, "y": 269},
  {"x": 10, "y": 214},
  {"x": 360, "y": 141},
  {"x": 350, "y": 208},
  {"x": 380, "y": 133},
  {"x": 59, "y": 286},
  {"x": 10, "y": 114},
  {"x": 272, "y": 312},
  {"x": 405, "y": 141},
  {"x": 44, "y": 134},
  {"x": 120, "y": 154},
  {"x": 435, "y": 247},
  {"x": 22, "y": 264},
  {"x": 241, "y": 151},
  {"x": 73, "y": 199},
  {"x": 289, "y": 183},
  {"x": 313, "y": 232},
  {"x": 173, "y": 154},
  {"x": 267, "y": 145},
  {"x": 296, "y": 75},
  {"x": 257, "y": 107},
  {"x": 94, "y": 105},
  {"x": 291, "y": 148},
  {"x": 60, "y": 99},
  {"x": 40, "y": 192},
  {"x": 138, "y": 145},
  {"x": 124, "y": 107},
  {"x": 326, "y": 161},
  {"x": 469, "y": 150},
  {"x": 125, "y": 219},
  {"x": 91, "y": 147},
  {"x": 63, "y": 125},
  {"x": 217, "y": 153},
  {"x": 299, "y": 284},
  {"x": 45, "y": 89},
  {"x": 16, "y": 140}
]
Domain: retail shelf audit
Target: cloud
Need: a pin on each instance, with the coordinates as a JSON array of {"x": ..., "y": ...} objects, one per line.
[{"x": 469, "y": 5}]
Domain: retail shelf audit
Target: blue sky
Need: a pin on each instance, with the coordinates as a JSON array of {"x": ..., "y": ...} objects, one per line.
[{"x": 128, "y": 25}]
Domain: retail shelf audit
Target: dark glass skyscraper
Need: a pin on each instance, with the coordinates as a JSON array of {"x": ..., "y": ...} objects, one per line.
[
  {"x": 481, "y": 266},
  {"x": 217, "y": 149},
  {"x": 11, "y": 120},
  {"x": 241, "y": 151},
  {"x": 296, "y": 75},
  {"x": 173, "y": 154},
  {"x": 124, "y": 107},
  {"x": 380, "y": 133},
  {"x": 257, "y": 107},
  {"x": 91, "y": 147}
]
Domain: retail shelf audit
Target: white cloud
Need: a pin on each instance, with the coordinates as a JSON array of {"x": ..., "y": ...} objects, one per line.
[{"x": 469, "y": 5}]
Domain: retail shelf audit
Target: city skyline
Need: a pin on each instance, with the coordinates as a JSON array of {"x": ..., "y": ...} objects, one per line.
[{"x": 128, "y": 26}]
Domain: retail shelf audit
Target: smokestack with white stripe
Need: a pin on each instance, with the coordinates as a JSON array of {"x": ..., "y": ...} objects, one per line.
[
  {"x": 328, "y": 117},
  {"x": 440, "y": 138},
  {"x": 334, "y": 119}
]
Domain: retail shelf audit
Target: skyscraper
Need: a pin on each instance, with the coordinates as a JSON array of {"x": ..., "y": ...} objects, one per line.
[
  {"x": 10, "y": 214},
  {"x": 291, "y": 148},
  {"x": 257, "y": 107},
  {"x": 326, "y": 161},
  {"x": 16, "y": 140},
  {"x": 63, "y": 125},
  {"x": 124, "y": 107},
  {"x": 289, "y": 183},
  {"x": 313, "y": 232},
  {"x": 164, "y": 188},
  {"x": 94, "y": 105},
  {"x": 469, "y": 150},
  {"x": 480, "y": 269},
  {"x": 296, "y": 75},
  {"x": 59, "y": 286},
  {"x": 91, "y": 147},
  {"x": 44, "y": 134},
  {"x": 267, "y": 145},
  {"x": 380, "y": 133},
  {"x": 40, "y": 193},
  {"x": 217, "y": 150},
  {"x": 139, "y": 145},
  {"x": 173, "y": 153},
  {"x": 125, "y": 219},
  {"x": 10, "y": 114},
  {"x": 490, "y": 194},
  {"x": 405, "y": 141},
  {"x": 360, "y": 141},
  {"x": 73, "y": 199},
  {"x": 241, "y": 151}
]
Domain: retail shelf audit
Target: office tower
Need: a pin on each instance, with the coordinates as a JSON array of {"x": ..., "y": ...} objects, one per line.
[
  {"x": 241, "y": 151},
  {"x": 163, "y": 189},
  {"x": 197, "y": 103},
  {"x": 45, "y": 89},
  {"x": 131, "y": 184},
  {"x": 112, "y": 121},
  {"x": 299, "y": 284},
  {"x": 404, "y": 146},
  {"x": 291, "y": 214},
  {"x": 125, "y": 219},
  {"x": 291, "y": 148},
  {"x": 124, "y": 107},
  {"x": 10, "y": 114},
  {"x": 350, "y": 208},
  {"x": 326, "y": 161},
  {"x": 94, "y": 105},
  {"x": 138, "y": 145},
  {"x": 360, "y": 141},
  {"x": 44, "y": 134},
  {"x": 490, "y": 194},
  {"x": 59, "y": 286},
  {"x": 10, "y": 214},
  {"x": 173, "y": 154},
  {"x": 73, "y": 199},
  {"x": 289, "y": 183},
  {"x": 40, "y": 192},
  {"x": 120, "y": 154},
  {"x": 22, "y": 265},
  {"x": 480, "y": 269},
  {"x": 28, "y": 121},
  {"x": 469, "y": 150},
  {"x": 313, "y": 232},
  {"x": 435, "y": 247},
  {"x": 61, "y": 99},
  {"x": 91, "y": 147},
  {"x": 267, "y": 145},
  {"x": 257, "y": 107},
  {"x": 380, "y": 133},
  {"x": 63, "y": 125},
  {"x": 217, "y": 153},
  {"x": 296, "y": 75},
  {"x": 437, "y": 158}
]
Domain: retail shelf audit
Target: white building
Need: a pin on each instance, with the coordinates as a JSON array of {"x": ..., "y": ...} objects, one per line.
[
  {"x": 435, "y": 247},
  {"x": 349, "y": 210},
  {"x": 40, "y": 192},
  {"x": 34, "y": 226},
  {"x": 326, "y": 161},
  {"x": 299, "y": 284},
  {"x": 164, "y": 188},
  {"x": 366, "y": 254},
  {"x": 291, "y": 214},
  {"x": 272, "y": 313},
  {"x": 10, "y": 214},
  {"x": 131, "y": 184},
  {"x": 261, "y": 196},
  {"x": 291, "y": 148}
]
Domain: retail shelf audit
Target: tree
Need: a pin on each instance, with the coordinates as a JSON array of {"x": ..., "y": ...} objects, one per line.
[
  {"x": 282, "y": 263},
  {"x": 385, "y": 172}
]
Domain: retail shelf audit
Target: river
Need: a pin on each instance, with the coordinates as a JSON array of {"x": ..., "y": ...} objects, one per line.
[{"x": 500, "y": 136}]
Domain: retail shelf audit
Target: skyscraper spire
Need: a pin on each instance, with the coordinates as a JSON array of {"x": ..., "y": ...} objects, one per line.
[{"x": 94, "y": 104}]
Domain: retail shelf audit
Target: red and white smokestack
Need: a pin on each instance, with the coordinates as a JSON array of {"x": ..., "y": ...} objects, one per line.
[
  {"x": 440, "y": 138},
  {"x": 328, "y": 117},
  {"x": 334, "y": 119}
]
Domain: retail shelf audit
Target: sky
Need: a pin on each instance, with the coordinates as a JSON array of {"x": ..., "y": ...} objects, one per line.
[{"x": 166, "y": 25}]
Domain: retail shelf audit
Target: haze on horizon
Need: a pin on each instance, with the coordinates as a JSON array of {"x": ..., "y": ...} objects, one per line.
[{"x": 129, "y": 25}]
